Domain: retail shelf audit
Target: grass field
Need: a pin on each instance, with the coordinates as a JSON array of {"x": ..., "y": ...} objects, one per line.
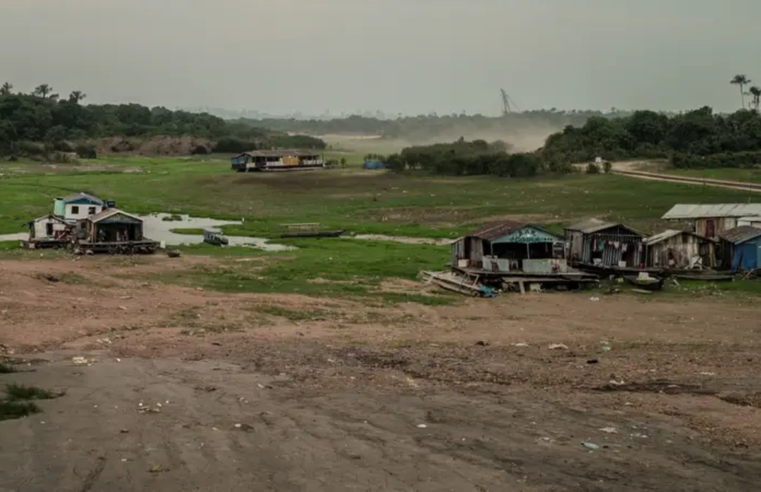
[{"x": 353, "y": 199}]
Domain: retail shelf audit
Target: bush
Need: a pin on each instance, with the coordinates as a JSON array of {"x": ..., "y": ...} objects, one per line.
[
  {"x": 723, "y": 160},
  {"x": 234, "y": 145},
  {"x": 607, "y": 167},
  {"x": 86, "y": 151},
  {"x": 593, "y": 168}
]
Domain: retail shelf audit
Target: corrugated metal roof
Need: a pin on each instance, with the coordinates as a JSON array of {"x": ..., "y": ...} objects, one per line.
[
  {"x": 740, "y": 234},
  {"x": 694, "y": 211},
  {"x": 281, "y": 153},
  {"x": 497, "y": 229},
  {"x": 588, "y": 226},
  {"x": 82, "y": 196},
  {"x": 110, "y": 212},
  {"x": 668, "y": 234}
]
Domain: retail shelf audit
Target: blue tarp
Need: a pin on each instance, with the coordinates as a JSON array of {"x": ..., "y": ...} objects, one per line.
[
  {"x": 745, "y": 256},
  {"x": 374, "y": 164}
]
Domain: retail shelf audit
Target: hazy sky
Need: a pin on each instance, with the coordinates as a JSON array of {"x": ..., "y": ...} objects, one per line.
[{"x": 410, "y": 56}]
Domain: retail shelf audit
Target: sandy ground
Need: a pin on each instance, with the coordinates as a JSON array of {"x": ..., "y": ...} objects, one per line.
[{"x": 463, "y": 398}]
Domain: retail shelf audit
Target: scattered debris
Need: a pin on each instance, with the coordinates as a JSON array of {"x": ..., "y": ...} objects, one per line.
[
  {"x": 558, "y": 346},
  {"x": 609, "y": 430},
  {"x": 421, "y": 426},
  {"x": 520, "y": 344},
  {"x": 157, "y": 469},
  {"x": 173, "y": 253},
  {"x": 594, "y": 299},
  {"x": 593, "y": 361},
  {"x": 590, "y": 445},
  {"x": 481, "y": 343},
  {"x": 79, "y": 360}
]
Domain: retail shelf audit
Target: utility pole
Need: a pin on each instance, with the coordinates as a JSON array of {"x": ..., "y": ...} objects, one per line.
[{"x": 508, "y": 105}]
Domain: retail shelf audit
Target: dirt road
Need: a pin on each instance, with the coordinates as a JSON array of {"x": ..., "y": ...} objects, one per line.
[
  {"x": 461, "y": 398},
  {"x": 633, "y": 169}
]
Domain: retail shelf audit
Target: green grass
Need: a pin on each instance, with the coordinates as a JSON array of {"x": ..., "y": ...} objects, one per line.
[
  {"x": 20, "y": 392},
  {"x": 17, "y": 409},
  {"x": 18, "y": 401},
  {"x": 747, "y": 175},
  {"x": 319, "y": 267},
  {"x": 362, "y": 202},
  {"x": 413, "y": 205},
  {"x": 293, "y": 314}
]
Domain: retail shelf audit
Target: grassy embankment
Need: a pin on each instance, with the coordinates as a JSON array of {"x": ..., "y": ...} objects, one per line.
[{"x": 353, "y": 199}]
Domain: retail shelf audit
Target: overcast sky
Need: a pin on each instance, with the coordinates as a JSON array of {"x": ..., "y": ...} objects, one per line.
[{"x": 410, "y": 56}]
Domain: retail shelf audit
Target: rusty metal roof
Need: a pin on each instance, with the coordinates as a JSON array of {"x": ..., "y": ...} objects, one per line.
[
  {"x": 693, "y": 211},
  {"x": 741, "y": 234},
  {"x": 497, "y": 229},
  {"x": 110, "y": 212},
  {"x": 668, "y": 234}
]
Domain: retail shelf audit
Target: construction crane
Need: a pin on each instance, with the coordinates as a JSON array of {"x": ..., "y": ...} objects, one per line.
[{"x": 508, "y": 105}]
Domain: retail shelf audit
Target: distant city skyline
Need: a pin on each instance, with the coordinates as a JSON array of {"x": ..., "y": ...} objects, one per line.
[{"x": 401, "y": 56}]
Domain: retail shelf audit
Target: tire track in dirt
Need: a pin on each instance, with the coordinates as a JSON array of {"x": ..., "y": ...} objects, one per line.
[{"x": 629, "y": 169}]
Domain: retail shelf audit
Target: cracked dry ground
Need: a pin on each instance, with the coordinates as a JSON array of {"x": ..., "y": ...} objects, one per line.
[{"x": 355, "y": 397}]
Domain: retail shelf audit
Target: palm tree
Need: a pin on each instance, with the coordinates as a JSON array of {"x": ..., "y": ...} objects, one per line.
[
  {"x": 755, "y": 91},
  {"x": 741, "y": 80},
  {"x": 6, "y": 89},
  {"x": 42, "y": 90},
  {"x": 77, "y": 96}
]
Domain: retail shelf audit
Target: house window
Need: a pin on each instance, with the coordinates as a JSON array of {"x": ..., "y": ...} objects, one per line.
[
  {"x": 49, "y": 229},
  {"x": 75, "y": 210},
  {"x": 91, "y": 211}
]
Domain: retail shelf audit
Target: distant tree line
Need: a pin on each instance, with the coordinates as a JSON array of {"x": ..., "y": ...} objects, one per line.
[
  {"x": 43, "y": 119},
  {"x": 469, "y": 158},
  {"x": 433, "y": 126},
  {"x": 647, "y": 134}
]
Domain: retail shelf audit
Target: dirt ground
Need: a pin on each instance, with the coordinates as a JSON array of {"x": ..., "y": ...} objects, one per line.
[{"x": 187, "y": 389}]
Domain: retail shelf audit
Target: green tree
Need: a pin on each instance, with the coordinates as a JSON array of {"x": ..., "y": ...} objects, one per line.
[
  {"x": 43, "y": 91},
  {"x": 742, "y": 80},
  {"x": 755, "y": 91},
  {"x": 6, "y": 89},
  {"x": 77, "y": 97}
]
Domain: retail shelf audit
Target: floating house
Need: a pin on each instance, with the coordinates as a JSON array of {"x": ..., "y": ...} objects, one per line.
[
  {"x": 510, "y": 247},
  {"x": 681, "y": 250},
  {"x": 599, "y": 243},
  {"x": 741, "y": 248},
  {"x": 48, "y": 231},
  {"x": 277, "y": 160},
  {"x": 115, "y": 231},
  {"x": 713, "y": 220}
]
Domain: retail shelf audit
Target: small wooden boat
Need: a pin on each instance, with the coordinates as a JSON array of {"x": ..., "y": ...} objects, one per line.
[
  {"x": 215, "y": 238},
  {"x": 645, "y": 282},
  {"x": 705, "y": 277},
  {"x": 317, "y": 234}
]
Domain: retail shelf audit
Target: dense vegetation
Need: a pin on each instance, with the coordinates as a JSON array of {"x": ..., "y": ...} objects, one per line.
[
  {"x": 471, "y": 158},
  {"x": 42, "y": 122},
  {"x": 647, "y": 134}
]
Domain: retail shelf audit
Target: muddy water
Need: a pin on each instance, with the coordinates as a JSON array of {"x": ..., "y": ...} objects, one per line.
[{"x": 154, "y": 227}]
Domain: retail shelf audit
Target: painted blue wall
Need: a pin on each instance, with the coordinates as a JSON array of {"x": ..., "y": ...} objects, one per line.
[{"x": 746, "y": 255}]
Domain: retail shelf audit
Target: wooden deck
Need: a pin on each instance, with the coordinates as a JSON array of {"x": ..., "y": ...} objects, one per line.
[{"x": 145, "y": 246}]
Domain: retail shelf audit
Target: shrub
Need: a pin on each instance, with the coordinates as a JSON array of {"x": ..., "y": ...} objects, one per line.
[
  {"x": 607, "y": 167},
  {"x": 593, "y": 168}
]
